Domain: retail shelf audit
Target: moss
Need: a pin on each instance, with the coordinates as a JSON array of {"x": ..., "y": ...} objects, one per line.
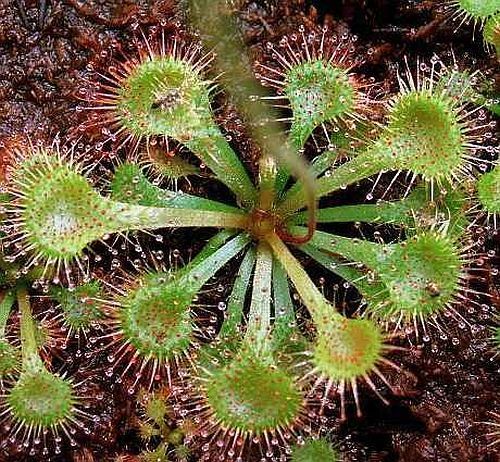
[{"x": 315, "y": 450}]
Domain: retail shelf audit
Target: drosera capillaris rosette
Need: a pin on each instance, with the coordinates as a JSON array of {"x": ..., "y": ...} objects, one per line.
[
  {"x": 260, "y": 382},
  {"x": 345, "y": 354}
]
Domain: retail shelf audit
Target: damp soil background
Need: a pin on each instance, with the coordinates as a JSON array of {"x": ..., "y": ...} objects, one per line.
[{"x": 449, "y": 385}]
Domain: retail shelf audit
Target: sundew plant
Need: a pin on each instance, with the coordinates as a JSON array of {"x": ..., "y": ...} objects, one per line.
[{"x": 261, "y": 383}]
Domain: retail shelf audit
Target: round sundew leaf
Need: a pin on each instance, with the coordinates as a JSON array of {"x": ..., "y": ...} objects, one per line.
[
  {"x": 155, "y": 318},
  {"x": 424, "y": 135},
  {"x": 165, "y": 96},
  {"x": 347, "y": 349},
  {"x": 312, "y": 450},
  {"x": 252, "y": 395},
  {"x": 41, "y": 399},
  {"x": 318, "y": 92},
  {"x": 479, "y": 9},
  {"x": 422, "y": 276},
  {"x": 10, "y": 357},
  {"x": 488, "y": 191},
  {"x": 61, "y": 212}
]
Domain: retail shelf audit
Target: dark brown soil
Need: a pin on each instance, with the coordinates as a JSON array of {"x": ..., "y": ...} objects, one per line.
[{"x": 449, "y": 384}]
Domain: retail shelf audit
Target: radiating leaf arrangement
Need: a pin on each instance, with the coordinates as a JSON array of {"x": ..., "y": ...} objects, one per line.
[{"x": 260, "y": 382}]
